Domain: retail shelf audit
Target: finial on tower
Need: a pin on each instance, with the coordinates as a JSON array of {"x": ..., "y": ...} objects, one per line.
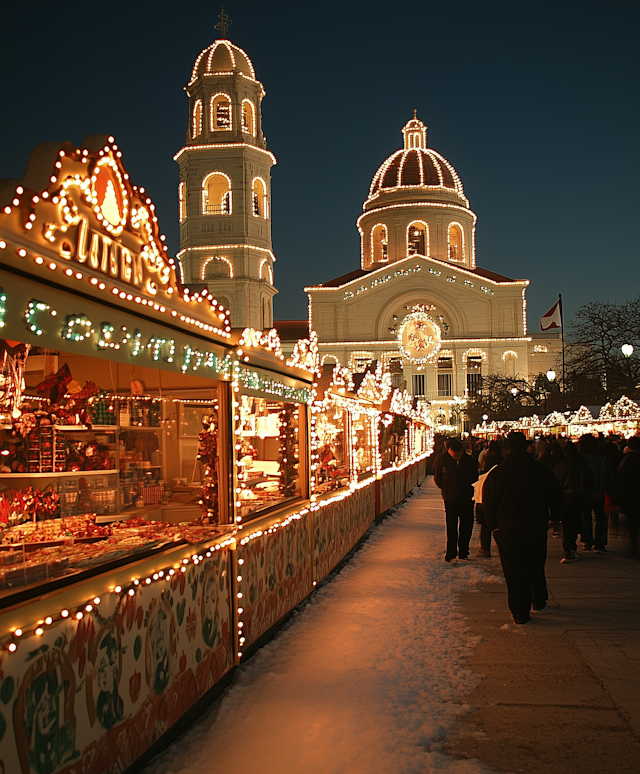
[
  {"x": 224, "y": 24},
  {"x": 414, "y": 113}
]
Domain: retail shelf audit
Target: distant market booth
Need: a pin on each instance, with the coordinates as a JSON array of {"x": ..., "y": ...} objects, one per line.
[
  {"x": 170, "y": 488},
  {"x": 620, "y": 418}
]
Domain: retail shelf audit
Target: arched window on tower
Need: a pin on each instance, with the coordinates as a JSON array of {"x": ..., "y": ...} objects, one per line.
[
  {"x": 418, "y": 238},
  {"x": 216, "y": 267},
  {"x": 216, "y": 194},
  {"x": 196, "y": 129},
  {"x": 248, "y": 117},
  {"x": 259, "y": 201},
  {"x": 181, "y": 202},
  {"x": 456, "y": 242},
  {"x": 379, "y": 244},
  {"x": 220, "y": 119}
]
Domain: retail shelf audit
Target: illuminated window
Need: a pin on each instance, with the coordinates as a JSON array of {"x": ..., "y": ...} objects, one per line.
[
  {"x": 196, "y": 129},
  {"x": 270, "y": 454},
  {"x": 456, "y": 242},
  {"x": 216, "y": 194},
  {"x": 332, "y": 467},
  {"x": 181, "y": 202},
  {"x": 418, "y": 238},
  {"x": 248, "y": 117},
  {"x": 220, "y": 119},
  {"x": 379, "y": 244},
  {"x": 259, "y": 202}
]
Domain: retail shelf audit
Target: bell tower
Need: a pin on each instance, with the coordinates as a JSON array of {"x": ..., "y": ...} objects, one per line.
[{"x": 224, "y": 192}]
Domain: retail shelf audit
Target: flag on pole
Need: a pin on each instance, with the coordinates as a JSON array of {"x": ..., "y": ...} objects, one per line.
[{"x": 553, "y": 318}]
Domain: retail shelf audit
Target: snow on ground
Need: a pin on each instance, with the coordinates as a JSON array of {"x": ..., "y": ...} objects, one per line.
[{"x": 366, "y": 679}]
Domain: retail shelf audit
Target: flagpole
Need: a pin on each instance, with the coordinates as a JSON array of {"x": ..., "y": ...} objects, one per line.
[{"x": 564, "y": 384}]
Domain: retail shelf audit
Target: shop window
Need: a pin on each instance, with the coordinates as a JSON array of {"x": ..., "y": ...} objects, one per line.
[
  {"x": 456, "y": 242},
  {"x": 220, "y": 119},
  {"x": 379, "y": 244},
  {"x": 196, "y": 129},
  {"x": 248, "y": 117},
  {"x": 259, "y": 203},
  {"x": 216, "y": 194},
  {"x": 417, "y": 239},
  {"x": 392, "y": 434},
  {"x": 332, "y": 464},
  {"x": 268, "y": 461},
  {"x": 418, "y": 385},
  {"x": 362, "y": 432}
]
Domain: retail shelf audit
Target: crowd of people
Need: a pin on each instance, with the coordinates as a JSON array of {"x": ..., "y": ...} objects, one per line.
[{"x": 521, "y": 489}]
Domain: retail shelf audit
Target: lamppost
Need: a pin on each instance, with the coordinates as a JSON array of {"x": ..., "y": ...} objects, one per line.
[
  {"x": 551, "y": 377},
  {"x": 627, "y": 351}
]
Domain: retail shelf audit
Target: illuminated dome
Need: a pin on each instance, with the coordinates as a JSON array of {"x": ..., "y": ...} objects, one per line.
[
  {"x": 220, "y": 58},
  {"x": 415, "y": 167}
]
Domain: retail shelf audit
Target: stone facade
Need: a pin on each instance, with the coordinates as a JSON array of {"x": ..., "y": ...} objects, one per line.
[
  {"x": 224, "y": 193},
  {"x": 418, "y": 264}
]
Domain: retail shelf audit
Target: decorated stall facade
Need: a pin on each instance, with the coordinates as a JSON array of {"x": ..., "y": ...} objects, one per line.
[{"x": 164, "y": 495}]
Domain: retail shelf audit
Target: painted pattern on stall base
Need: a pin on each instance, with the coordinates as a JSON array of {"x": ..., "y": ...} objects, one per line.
[{"x": 90, "y": 696}]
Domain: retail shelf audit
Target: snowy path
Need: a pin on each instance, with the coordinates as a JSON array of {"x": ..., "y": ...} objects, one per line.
[{"x": 366, "y": 679}]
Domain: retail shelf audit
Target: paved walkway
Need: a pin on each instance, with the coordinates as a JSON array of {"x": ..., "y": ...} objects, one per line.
[
  {"x": 561, "y": 694},
  {"x": 380, "y": 673}
]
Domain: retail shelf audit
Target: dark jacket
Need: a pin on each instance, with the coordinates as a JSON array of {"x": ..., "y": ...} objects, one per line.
[
  {"x": 628, "y": 483},
  {"x": 455, "y": 479},
  {"x": 576, "y": 480},
  {"x": 602, "y": 475},
  {"x": 519, "y": 494}
]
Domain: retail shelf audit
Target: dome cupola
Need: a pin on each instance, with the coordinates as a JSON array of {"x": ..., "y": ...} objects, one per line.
[{"x": 416, "y": 206}]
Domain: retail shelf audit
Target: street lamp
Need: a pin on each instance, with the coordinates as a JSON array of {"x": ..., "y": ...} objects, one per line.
[
  {"x": 627, "y": 350},
  {"x": 485, "y": 417},
  {"x": 551, "y": 377}
]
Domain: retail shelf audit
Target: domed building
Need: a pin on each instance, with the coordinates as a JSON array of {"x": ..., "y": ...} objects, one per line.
[
  {"x": 419, "y": 304},
  {"x": 224, "y": 192}
]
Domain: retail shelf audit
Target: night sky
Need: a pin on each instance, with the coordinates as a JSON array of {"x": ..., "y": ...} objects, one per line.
[{"x": 535, "y": 105}]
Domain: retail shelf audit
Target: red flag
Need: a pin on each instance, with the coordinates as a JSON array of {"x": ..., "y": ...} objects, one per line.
[{"x": 553, "y": 318}]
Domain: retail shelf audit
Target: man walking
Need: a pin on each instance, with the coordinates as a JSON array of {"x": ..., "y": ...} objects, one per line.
[
  {"x": 455, "y": 473},
  {"x": 517, "y": 498}
]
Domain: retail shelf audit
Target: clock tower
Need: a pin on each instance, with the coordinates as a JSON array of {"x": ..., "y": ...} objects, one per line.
[{"x": 224, "y": 191}]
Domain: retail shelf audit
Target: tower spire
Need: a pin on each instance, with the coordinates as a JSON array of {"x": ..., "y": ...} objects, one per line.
[{"x": 224, "y": 23}]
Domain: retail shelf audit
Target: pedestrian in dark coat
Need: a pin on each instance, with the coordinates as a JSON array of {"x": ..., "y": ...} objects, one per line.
[
  {"x": 602, "y": 486},
  {"x": 518, "y": 497},
  {"x": 455, "y": 473},
  {"x": 576, "y": 480},
  {"x": 628, "y": 489}
]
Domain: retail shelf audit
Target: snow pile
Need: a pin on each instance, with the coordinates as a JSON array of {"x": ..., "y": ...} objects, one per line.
[{"x": 367, "y": 679}]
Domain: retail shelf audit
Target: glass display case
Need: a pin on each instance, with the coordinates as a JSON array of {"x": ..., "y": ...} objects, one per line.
[
  {"x": 332, "y": 463},
  {"x": 267, "y": 454},
  {"x": 363, "y": 447}
]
